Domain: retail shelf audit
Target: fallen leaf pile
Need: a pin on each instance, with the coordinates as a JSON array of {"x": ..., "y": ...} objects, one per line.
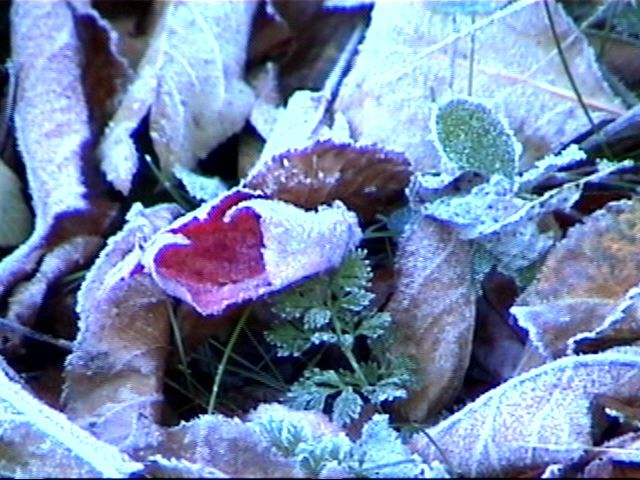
[{"x": 170, "y": 167}]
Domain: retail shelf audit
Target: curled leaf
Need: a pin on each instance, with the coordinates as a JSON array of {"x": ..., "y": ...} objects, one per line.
[
  {"x": 540, "y": 417},
  {"x": 53, "y": 134},
  {"x": 191, "y": 80},
  {"x": 114, "y": 377},
  {"x": 241, "y": 246},
  {"x": 364, "y": 178},
  {"x": 582, "y": 282},
  {"x": 61, "y": 260}
]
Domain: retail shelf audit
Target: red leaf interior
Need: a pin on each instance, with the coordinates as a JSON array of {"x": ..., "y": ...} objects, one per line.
[{"x": 220, "y": 253}]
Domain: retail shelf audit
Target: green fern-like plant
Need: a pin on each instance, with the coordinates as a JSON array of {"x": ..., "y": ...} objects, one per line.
[
  {"x": 378, "y": 453},
  {"x": 335, "y": 309}
]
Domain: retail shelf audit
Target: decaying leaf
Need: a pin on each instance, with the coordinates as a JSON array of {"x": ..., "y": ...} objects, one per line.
[
  {"x": 191, "y": 80},
  {"x": 37, "y": 441},
  {"x": 412, "y": 53},
  {"x": 105, "y": 74},
  {"x": 433, "y": 313},
  {"x": 616, "y": 457},
  {"x": 51, "y": 114},
  {"x": 259, "y": 245},
  {"x": 52, "y": 129},
  {"x": 582, "y": 282},
  {"x": 15, "y": 218},
  {"x": 540, "y": 417},
  {"x": 364, "y": 178},
  {"x": 229, "y": 445},
  {"x": 620, "y": 326},
  {"x": 114, "y": 377},
  {"x": 61, "y": 260}
]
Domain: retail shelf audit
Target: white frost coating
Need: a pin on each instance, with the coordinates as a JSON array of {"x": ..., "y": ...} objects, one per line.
[
  {"x": 298, "y": 243},
  {"x": 104, "y": 458},
  {"x": 523, "y": 422},
  {"x": 619, "y": 318},
  {"x": 200, "y": 187},
  {"x": 570, "y": 155}
]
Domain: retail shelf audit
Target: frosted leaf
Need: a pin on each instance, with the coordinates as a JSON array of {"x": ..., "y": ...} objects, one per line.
[
  {"x": 380, "y": 453},
  {"x": 569, "y": 156},
  {"x": 52, "y": 131},
  {"x": 481, "y": 210},
  {"x": 190, "y": 79},
  {"x": 387, "y": 97},
  {"x": 473, "y": 138},
  {"x": 518, "y": 246},
  {"x": 622, "y": 324},
  {"x": 316, "y": 318},
  {"x": 299, "y": 125},
  {"x": 159, "y": 467},
  {"x": 200, "y": 187},
  {"x": 542, "y": 416},
  {"x": 65, "y": 258},
  {"x": 494, "y": 206},
  {"x": 583, "y": 281},
  {"x": 346, "y": 407},
  {"x": 366, "y": 178},
  {"x": 37, "y": 441},
  {"x": 433, "y": 314},
  {"x": 114, "y": 376},
  {"x": 229, "y": 445},
  {"x": 265, "y": 244}
]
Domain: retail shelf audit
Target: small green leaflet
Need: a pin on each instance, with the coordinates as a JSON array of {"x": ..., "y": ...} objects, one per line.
[{"x": 473, "y": 138}]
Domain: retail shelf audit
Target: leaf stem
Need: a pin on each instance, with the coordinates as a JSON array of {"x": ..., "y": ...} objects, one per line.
[
  {"x": 225, "y": 358},
  {"x": 347, "y": 351},
  {"x": 565, "y": 64}
]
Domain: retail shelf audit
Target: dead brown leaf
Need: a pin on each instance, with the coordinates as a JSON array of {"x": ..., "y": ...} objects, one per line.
[
  {"x": 104, "y": 71},
  {"x": 53, "y": 134},
  {"x": 114, "y": 377},
  {"x": 583, "y": 281},
  {"x": 540, "y": 417},
  {"x": 433, "y": 313},
  {"x": 61, "y": 260},
  {"x": 38, "y": 441},
  {"x": 365, "y": 178},
  {"x": 229, "y": 445}
]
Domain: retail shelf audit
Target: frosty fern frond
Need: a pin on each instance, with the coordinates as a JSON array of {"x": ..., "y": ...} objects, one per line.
[
  {"x": 335, "y": 309},
  {"x": 379, "y": 453}
]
